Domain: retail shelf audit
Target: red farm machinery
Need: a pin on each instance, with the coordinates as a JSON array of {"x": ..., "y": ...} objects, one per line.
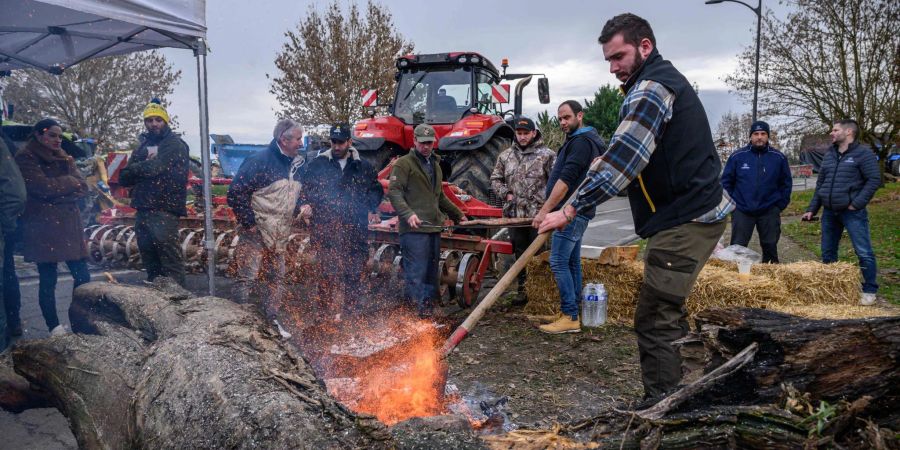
[{"x": 460, "y": 94}]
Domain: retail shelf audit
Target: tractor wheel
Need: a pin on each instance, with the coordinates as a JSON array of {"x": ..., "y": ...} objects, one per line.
[
  {"x": 471, "y": 170},
  {"x": 379, "y": 158},
  {"x": 895, "y": 167}
]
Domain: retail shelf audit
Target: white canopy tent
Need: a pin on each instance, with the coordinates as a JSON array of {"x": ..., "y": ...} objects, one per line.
[{"x": 52, "y": 35}]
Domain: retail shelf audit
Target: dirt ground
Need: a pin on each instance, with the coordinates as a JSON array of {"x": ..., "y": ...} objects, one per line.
[{"x": 546, "y": 379}]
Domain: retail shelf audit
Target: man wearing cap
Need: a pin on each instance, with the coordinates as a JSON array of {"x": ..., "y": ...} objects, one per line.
[
  {"x": 343, "y": 194},
  {"x": 415, "y": 192},
  {"x": 157, "y": 174},
  {"x": 264, "y": 196},
  {"x": 520, "y": 179},
  {"x": 758, "y": 179}
]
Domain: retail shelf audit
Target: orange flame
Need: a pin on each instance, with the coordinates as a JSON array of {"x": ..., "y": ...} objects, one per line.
[
  {"x": 390, "y": 367},
  {"x": 407, "y": 384}
]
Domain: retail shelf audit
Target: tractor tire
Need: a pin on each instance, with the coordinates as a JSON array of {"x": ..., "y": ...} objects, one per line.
[
  {"x": 471, "y": 170},
  {"x": 381, "y": 157},
  {"x": 895, "y": 167}
]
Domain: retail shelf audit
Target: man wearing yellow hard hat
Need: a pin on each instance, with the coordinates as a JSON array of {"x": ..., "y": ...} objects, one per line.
[{"x": 157, "y": 174}]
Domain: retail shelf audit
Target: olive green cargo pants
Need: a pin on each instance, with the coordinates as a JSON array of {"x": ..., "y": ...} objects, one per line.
[{"x": 674, "y": 258}]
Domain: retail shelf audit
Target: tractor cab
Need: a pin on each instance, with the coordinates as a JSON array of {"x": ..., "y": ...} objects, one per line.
[{"x": 442, "y": 89}]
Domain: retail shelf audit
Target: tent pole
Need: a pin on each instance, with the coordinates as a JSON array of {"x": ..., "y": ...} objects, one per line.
[{"x": 210, "y": 239}]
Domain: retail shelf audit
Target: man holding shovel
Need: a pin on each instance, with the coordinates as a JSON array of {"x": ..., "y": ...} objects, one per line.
[{"x": 663, "y": 153}]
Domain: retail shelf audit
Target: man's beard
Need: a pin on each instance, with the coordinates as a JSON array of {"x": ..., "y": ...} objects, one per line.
[{"x": 638, "y": 62}]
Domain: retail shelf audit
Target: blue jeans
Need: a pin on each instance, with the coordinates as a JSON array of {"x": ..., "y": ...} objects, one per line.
[
  {"x": 47, "y": 286},
  {"x": 565, "y": 263},
  {"x": 857, "y": 225},
  {"x": 421, "y": 255}
]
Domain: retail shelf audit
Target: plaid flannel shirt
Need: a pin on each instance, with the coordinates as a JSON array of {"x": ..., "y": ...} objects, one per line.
[{"x": 645, "y": 112}]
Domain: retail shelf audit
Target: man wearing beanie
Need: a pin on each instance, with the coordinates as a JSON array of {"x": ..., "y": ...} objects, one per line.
[
  {"x": 157, "y": 174},
  {"x": 758, "y": 178}
]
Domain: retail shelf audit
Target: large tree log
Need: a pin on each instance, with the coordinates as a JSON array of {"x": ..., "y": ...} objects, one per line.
[
  {"x": 168, "y": 372},
  {"x": 829, "y": 359}
]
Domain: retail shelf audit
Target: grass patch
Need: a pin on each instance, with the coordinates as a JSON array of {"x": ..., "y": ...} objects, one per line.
[
  {"x": 799, "y": 202},
  {"x": 883, "y": 226}
]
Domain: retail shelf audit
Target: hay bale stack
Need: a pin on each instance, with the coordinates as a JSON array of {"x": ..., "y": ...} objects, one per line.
[
  {"x": 814, "y": 282},
  {"x": 808, "y": 289},
  {"x": 811, "y": 281},
  {"x": 622, "y": 282},
  {"x": 717, "y": 287}
]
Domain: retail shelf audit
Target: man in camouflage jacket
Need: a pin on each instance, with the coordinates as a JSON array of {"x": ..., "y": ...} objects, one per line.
[{"x": 520, "y": 179}]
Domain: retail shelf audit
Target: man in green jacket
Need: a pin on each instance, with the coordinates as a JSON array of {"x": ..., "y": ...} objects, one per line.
[
  {"x": 416, "y": 193},
  {"x": 12, "y": 202}
]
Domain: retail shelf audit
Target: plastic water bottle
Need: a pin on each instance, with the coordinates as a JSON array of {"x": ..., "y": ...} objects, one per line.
[
  {"x": 602, "y": 302},
  {"x": 589, "y": 304}
]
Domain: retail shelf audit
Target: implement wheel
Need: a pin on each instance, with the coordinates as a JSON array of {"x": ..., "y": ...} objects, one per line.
[{"x": 466, "y": 294}]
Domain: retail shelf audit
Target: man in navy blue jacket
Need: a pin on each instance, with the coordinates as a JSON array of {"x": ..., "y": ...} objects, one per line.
[
  {"x": 264, "y": 196},
  {"x": 343, "y": 193},
  {"x": 758, "y": 178},
  {"x": 848, "y": 179},
  {"x": 582, "y": 145}
]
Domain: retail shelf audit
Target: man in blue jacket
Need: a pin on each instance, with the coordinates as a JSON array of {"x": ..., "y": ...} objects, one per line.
[
  {"x": 573, "y": 159},
  {"x": 343, "y": 193},
  {"x": 758, "y": 178},
  {"x": 848, "y": 179},
  {"x": 264, "y": 196}
]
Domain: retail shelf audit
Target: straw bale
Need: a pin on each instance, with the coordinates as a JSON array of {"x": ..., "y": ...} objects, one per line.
[
  {"x": 839, "y": 311},
  {"x": 771, "y": 286},
  {"x": 813, "y": 282},
  {"x": 622, "y": 283}
]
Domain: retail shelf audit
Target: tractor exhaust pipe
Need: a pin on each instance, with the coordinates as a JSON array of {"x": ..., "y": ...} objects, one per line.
[{"x": 520, "y": 86}]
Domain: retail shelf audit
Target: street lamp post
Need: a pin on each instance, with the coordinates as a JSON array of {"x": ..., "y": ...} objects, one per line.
[{"x": 758, "y": 11}]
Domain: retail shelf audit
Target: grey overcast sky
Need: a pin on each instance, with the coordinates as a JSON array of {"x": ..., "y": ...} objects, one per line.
[{"x": 559, "y": 39}]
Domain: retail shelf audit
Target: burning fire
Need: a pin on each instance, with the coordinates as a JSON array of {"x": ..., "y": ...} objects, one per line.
[
  {"x": 408, "y": 384},
  {"x": 389, "y": 367}
]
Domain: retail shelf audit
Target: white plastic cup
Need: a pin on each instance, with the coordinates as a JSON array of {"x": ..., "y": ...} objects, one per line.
[{"x": 744, "y": 270}]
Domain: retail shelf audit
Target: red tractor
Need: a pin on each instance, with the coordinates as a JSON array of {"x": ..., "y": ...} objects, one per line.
[{"x": 460, "y": 94}]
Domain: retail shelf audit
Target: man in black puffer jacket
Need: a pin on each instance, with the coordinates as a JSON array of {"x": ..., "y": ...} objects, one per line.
[
  {"x": 157, "y": 173},
  {"x": 848, "y": 179},
  {"x": 343, "y": 193}
]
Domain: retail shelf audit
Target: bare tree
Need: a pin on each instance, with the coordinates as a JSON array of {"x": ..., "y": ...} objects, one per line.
[
  {"x": 100, "y": 98},
  {"x": 330, "y": 57},
  {"x": 829, "y": 60}
]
